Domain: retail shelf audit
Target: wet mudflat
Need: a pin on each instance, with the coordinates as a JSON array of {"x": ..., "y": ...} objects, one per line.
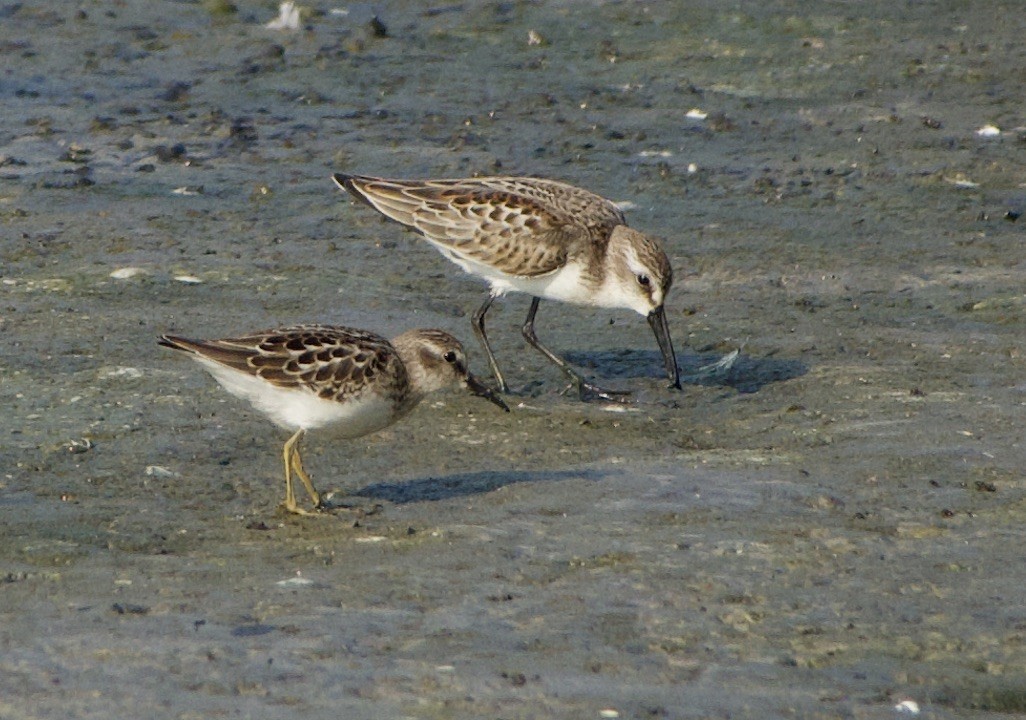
[{"x": 827, "y": 529}]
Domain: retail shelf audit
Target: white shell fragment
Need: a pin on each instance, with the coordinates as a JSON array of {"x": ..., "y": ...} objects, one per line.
[
  {"x": 297, "y": 581},
  {"x": 288, "y": 18},
  {"x": 963, "y": 183},
  {"x": 77, "y": 447},
  {"x": 696, "y": 114},
  {"x": 122, "y": 371},
  {"x": 127, "y": 273},
  {"x": 989, "y": 131},
  {"x": 188, "y": 279},
  {"x": 907, "y": 707},
  {"x": 159, "y": 471}
]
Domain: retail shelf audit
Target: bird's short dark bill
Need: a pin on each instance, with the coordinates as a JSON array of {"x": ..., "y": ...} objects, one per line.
[
  {"x": 657, "y": 319},
  {"x": 478, "y": 388}
]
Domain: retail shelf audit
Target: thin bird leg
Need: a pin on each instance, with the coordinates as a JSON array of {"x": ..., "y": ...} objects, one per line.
[
  {"x": 291, "y": 456},
  {"x": 479, "y": 330},
  {"x": 297, "y": 467},
  {"x": 585, "y": 389}
]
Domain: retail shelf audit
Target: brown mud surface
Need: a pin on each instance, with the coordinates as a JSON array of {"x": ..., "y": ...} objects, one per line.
[{"x": 831, "y": 527}]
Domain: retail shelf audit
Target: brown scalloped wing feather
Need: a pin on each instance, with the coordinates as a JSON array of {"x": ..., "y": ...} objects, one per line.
[
  {"x": 333, "y": 362},
  {"x": 520, "y": 226}
]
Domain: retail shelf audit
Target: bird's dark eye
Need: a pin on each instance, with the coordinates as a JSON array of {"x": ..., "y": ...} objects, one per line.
[
  {"x": 449, "y": 357},
  {"x": 644, "y": 280}
]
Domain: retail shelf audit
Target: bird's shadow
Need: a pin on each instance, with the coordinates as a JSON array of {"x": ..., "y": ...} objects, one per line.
[
  {"x": 431, "y": 489},
  {"x": 746, "y": 374}
]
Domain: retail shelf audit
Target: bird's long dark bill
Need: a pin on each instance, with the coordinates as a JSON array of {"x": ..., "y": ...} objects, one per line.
[
  {"x": 657, "y": 319},
  {"x": 478, "y": 388}
]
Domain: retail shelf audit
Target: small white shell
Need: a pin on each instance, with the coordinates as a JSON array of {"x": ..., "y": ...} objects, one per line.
[
  {"x": 77, "y": 447},
  {"x": 124, "y": 372},
  {"x": 160, "y": 471},
  {"x": 126, "y": 273},
  {"x": 295, "y": 582},
  {"x": 907, "y": 707},
  {"x": 961, "y": 181},
  {"x": 288, "y": 18}
]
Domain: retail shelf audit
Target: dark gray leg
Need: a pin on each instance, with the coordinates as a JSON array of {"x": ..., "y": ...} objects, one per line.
[
  {"x": 585, "y": 389},
  {"x": 479, "y": 330}
]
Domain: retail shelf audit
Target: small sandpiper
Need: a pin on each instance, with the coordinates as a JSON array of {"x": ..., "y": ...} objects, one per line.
[
  {"x": 307, "y": 377},
  {"x": 535, "y": 236}
]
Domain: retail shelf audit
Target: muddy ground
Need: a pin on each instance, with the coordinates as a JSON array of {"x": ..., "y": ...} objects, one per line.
[{"x": 831, "y": 527}]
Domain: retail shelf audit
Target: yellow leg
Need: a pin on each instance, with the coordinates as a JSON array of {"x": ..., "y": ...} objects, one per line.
[
  {"x": 290, "y": 495},
  {"x": 297, "y": 467},
  {"x": 290, "y": 454}
]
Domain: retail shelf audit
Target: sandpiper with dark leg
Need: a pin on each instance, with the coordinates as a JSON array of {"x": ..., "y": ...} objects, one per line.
[{"x": 541, "y": 237}]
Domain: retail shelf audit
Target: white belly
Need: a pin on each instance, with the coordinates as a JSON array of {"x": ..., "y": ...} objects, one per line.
[
  {"x": 295, "y": 408},
  {"x": 567, "y": 284}
]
